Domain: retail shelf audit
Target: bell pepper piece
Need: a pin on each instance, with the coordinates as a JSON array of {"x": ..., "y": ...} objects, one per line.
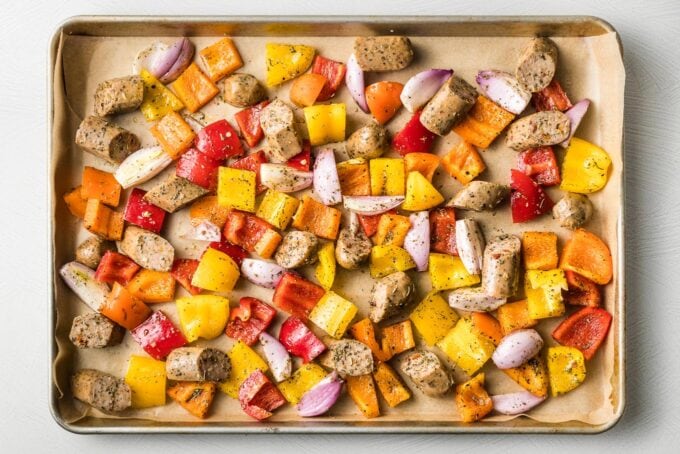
[
  {"x": 325, "y": 123},
  {"x": 586, "y": 254},
  {"x": 315, "y": 217},
  {"x": 354, "y": 177},
  {"x": 251, "y": 233},
  {"x": 466, "y": 347},
  {"x": 544, "y": 293},
  {"x": 585, "y": 330},
  {"x": 388, "y": 176},
  {"x": 237, "y": 253},
  {"x": 392, "y": 230},
  {"x": 259, "y": 397},
  {"x": 123, "y": 308},
  {"x": 152, "y": 286},
  {"x": 413, "y": 137},
  {"x": 388, "y": 259},
  {"x": 194, "y": 397},
  {"x": 194, "y": 88},
  {"x": 364, "y": 332},
  {"x": 101, "y": 185},
  {"x": 362, "y": 391},
  {"x": 302, "y": 380},
  {"x": 158, "y": 101},
  {"x": 448, "y": 272},
  {"x": 220, "y": 59},
  {"x": 566, "y": 368},
  {"x": 173, "y": 134},
  {"x": 207, "y": 209},
  {"x": 103, "y": 221},
  {"x": 532, "y": 376},
  {"x": 383, "y": 99},
  {"x": 487, "y": 326},
  {"x": 300, "y": 340},
  {"x": 463, "y": 162},
  {"x": 539, "y": 250},
  {"x": 551, "y": 97},
  {"x": 420, "y": 194},
  {"x": 219, "y": 141},
  {"x": 443, "y": 231},
  {"x": 369, "y": 223},
  {"x": 277, "y": 208},
  {"x": 302, "y": 160},
  {"x": 390, "y": 385},
  {"x": 198, "y": 168},
  {"x": 424, "y": 163},
  {"x": 585, "y": 167},
  {"x": 202, "y": 316},
  {"x": 296, "y": 295},
  {"x": 183, "y": 272},
  {"x": 285, "y": 62},
  {"x": 472, "y": 400},
  {"x": 433, "y": 318},
  {"x": 142, "y": 213},
  {"x": 158, "y": 336},
  {"x": 244, "y": 361},
  {"x": 75, "y": 202},
  {"x": 325, "y": 270},
  {"x": 514, "y": 316},
  {"x": 540, "y": 164},
  {"x": 115, "y": 267},
  {"x": 216, "y": 271},
  {"x": 582, "y": 291},
  {"x": 333, "y": 72},
  {"x": 333, "y": 314},
  {"x": 252, "y": 162},
  {"x": 398, "y": 338},
  {"x": 248, "y": 121},
  {"x": 251, "y": 318},
  {"x": 485, "y": 121},
  {"x": 306, "y": 89},
  {"x": 528, "y": 199},
  {"x": 146, "y": 379},
  {"x": 236, "y": 189}
]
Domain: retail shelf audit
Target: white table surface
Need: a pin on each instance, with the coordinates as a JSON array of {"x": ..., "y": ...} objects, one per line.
[{"x": 651, "y": 39}]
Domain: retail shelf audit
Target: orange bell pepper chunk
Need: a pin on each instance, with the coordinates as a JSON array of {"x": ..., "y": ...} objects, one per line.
[
  {"x": 398, "y": 338},
  {"x": 100, "y": 185},
  {"x": 174, "y": 134},
  {"x": 364, "y": 332},
  {"x": 102, "y": 220},
  {"x": 315, "y": 217},
  {"x": 194, "y": 88},
  {"x": 194, "y": 397},
  {"x": 485, "y": 121},
  {"x": 306, "y": 89},
  {"x": 207, "y": 209},
  {"x": 221, "y": 59},
  {"x": 390, "y": 385},
  {"x": 463, "y": 163},
  {"x": 425, "y": 163},
  {"x": 486, "y": 325},
  {"x": 514, "y": 316},
  {"x": 362, "y": 391},
  {"x": 383, "y": 100},
  {"x": 152, "y": 286},
  {"x": 586, "y": 254},
  {"x": 76, "y": 203},
  {"x": 472, "y": 400},
  {"x": 124, "y": 309}
]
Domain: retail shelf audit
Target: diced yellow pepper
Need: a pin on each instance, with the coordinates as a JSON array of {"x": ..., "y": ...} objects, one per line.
[
  {"x": 465, "y": 347},
  {"x": 333, "y": 314},
  {"x": 216, "y": 271},
  {"x": 388, "y": 259},
  {"x": 420, "y": 194},
  {"x": 544, "y": 293},
  {"x": 585, "y": 167},
  {"x": 301, "y": 381},
  {"x": 236, "y": 189},
  {"x": 566, "y": 368},
  {"x": 392, "y": 229},
  {"x": 146, "y": 379},
  {"x": 203, "y": 316},
  {"x": 387, "y": 176},
  {"x": 433, "y": 318},
  {"x": 448, "y": 272},
  {"x": 244, "y": 361},
  {"x": 277, "y": 208},
  {"x": 325, "y": 270},
  {"x": 325, "y": 123},
  {"x": 285, "y": 62},
  {"x": 158, "y": 100}
]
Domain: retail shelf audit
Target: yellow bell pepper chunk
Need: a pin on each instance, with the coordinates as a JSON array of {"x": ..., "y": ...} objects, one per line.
[
  {"x": 448, "y": 272},
  {"x": 216, "y": 271},
  {"x": 388, "y": 259},
  {"x": 544, "y": 293},
  {"x": 566, "y": 368},
  {"x": 585, "y": 167},
  {"x": 244, "y": 361},
  {"x": 333, "y": 314},
  {"x": 301, "y": 381},
  {"x": 158, "y": 100},
  {"x": 420, "y": 194},
  {"x": 277, "y": 208},
  {"x": 236, "y": 189},
  {"x": 325, "y": 270},
  {"x": 387, "y": 176},
  {"x": 433, "y": 318},
  {"x": 465, "y": 347},
  {"x": 203, "y": 316},
  {"x": 285, "y": 62},
  {"x": 392, "y": 229},
  {"x": 146, "y": 378},
  {"x": 325, "y": 123}
]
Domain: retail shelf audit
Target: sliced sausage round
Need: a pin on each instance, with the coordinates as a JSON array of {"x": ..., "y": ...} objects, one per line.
[
  {"x": 106, "y": 140},
  {"x": 426, "y": 372},
  {"x": 537, "y": 64},
  {"x": 368, "y": 142},
  {"x": 197, "y": 364},
  {"x": 448, "y": 106},
  {"x": 91, "y": 251},
  {"x": 383, "y": 53},
  {"x": 479, "y": 196},
  {"x": 353, "y": 248},
  {"x": 500, "y": 272},
  {"x": 101, "y": 390},
  {"x": 93, "y": 330},
  {"x": 389, "y": 296},
  {"x": 278, "y": 125},
  {"x": 350, "y": 357},
  {"x": 573, "y": 210},
  {"x": 147, "y": 249},
  {"x": 120, "y": 95},
  {"x": 540, "y": 129},
  {"x": 297, "y": 249},
  {"x": 242, "y": 90},
  {"x": 173, "y": 193}
]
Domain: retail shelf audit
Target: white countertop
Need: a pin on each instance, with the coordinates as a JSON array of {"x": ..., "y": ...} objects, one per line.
[{"x": 651, "y": 39}]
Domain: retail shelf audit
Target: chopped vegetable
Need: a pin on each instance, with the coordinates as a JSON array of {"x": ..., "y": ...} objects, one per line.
[
  {"x": 398, "y": 338},
  {"x": 325, "y": 270},
  {"x": 472, "y": 400},
  {"x": 303, "y": 160},
  {"x": 433, "y": 318},
  {"x": 300, "y": 340},
  {"x": 278, "y": 358},
  {"x": 321, "y": 397},
  {"x": 158, "y": 100},
  {"x": 102, "y": 220},
  {"x": 333, "y": 314},
  {"x": 202, "y": 316},
  {"x": 302, "y": 380},
  {"x": 115, "y": 267},
  {"x": 333, "y": 72},
  {"x": 485, "y": 121},
  {"x": 80, "y": 279},
  {"x": 503, "y": 89},
  {"x": 585, "y": 167},
  {"x": 284, "y": 178},
  {"x": 141, "y": 166},
  {"x": 277, "y": 208},
  {"x": 567, "y": 369},
  {"x": 586, "y": 254},
  {"x": 194, "y": 88},
  {"x": 158, "y": 336},
  {"x": 123, "y": 308},
  {"x": 388, "y": 259},
  {"x": 417, "y": 239},
  {"x": 387, "y": 176},
  {"x": 152, "y": 286},
  {"x": 420, "y": 194},
  {"x": 528, "y": 199},
  {"x": 551, "y": 97},
  {"x": 421, "y": 87},
  {"x": 259, "y": 397},
  {"x": 216, "y": 271},
  {"x": 325, "y": 123},
  {"x": 515, "y": 403},
  {"x": 194, "y": 397},
  {"x": 183, "y": 272},
  {"x": 76, "y": 203},
  {"x": 173, "y": 134},
  {"x": 236, "y": 189},
  {"x": 390, "y": 385},
  {"x": 544, "y": 293},
  {"x": 575, "y": 114},
  {"x": 517, "y": 348},
  {"x": 443, "y": 230},
  {"x": 413, "y": 137},
  {"x": 219, "y": 141},
  {"x": 220, "y": 58},
  {"x": 251, "y": 233},
  {"x": 362, "y": 391},
  {"x": 466, "y": 347},
  {"x": 585, "y": 330},
  {"x": 532, "y": 376},
  {"x": 424, "y": 163},
  {"x": 285, "y": 62},
  {"x": 168, "y": 62},
  {"x": 540, "y": 164},
  {"x": 262, "y": 273},
  {"x": 296, "y": 295},
  {"x": 383, "y": 100},
  {"x": 325, "y": 179},
  {"x": 315, "y": 217},
  {"x": 100, "y": 185},
  {"x": 392, "y": 230},
  {"x": 146, "y": 379},
  {"x": 244, "y": 361},
  {"x": 249, "y": 320},
  {"x": 248, "y": 121},
  {"x": 448, "y": 272},
  {"x": 514, "y": 316},
  {"x": 355, "y": 82},
  {"x": 306, "y": 89},
  {"x": 142, "y": 213},
  {"x": 463, "y": 162},
  {"x": 487, "y": 326},
  {"x": 354, "y": 178},
  {"x": 236, "y": 252},
  {"x": 582, "y": 291},
  {"x": 539, "y": 250},
  {"x": 364, "y": 332}
]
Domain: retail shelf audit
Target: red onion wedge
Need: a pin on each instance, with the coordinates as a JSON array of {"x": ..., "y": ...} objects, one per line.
[
  {"x": 326, "y": 180},
  {"x": 503, "y": 89},
  {"x": 144, "y": 59},
  {"x": 165, "y": 62},
  {"x": 368, "y": 205},
  {"x": 81, "y": 280},
  {"x": 575, "y": 114},
  {"x": 262, "y": 273},
  {"x": 354, "y": 78},
  {"x": 321, "y": 397},
  {"x": 183, "y": 60},
  {"x": 203, "y": 231},
  {"x": 277, "y": 357},
  {"x": 517, "y": 348},
  {"x": 141, "y": 166},
  {"x": 474, "y": 300},
  {"x": 417, "y": 241},
  {"x": 283, "y": 178},
  {"x": 515, "y": 403},
  {"x": 470, "y": 244},
  {"x": 421, "y": 87}
]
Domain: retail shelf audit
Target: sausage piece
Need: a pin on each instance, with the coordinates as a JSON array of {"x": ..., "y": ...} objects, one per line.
[
  {"x": 197, "y": 364},
  {"x": 242, "y": 90},
  {"x": 147, "y": 249},
  {"x": 91, "y": 251},
  {"x": 573, "y": 210},
  {"x": 93, "y": 330},
  {"x": 120, "y": 95},
  {"x": 426, "y": 372},
  {"x": 448, "y": 106},
  {"x": 174, "y": 193},
  {"x": 353, "y": 247},
  {"x": 389, "y": 296},
  {"x": 383, "y": 53},
  {"x": 101, "y": 390},
  {"x": 368, "y": 142},
  {"x": 350, "y": 357},
  {"x": 297, "y": 249},
  {"x": 537, "y": 64},
  {"x": 540, "y": 129},
  {"x": 479, "y": 196},
  {"x": 500, "y": 273},
  {"x": 278, "y": 125},
  {"x": 106, "y": 140}
]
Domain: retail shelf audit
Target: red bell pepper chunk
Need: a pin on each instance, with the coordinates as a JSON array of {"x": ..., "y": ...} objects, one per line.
[
  {"x": 237, "y": 253},
  {"x": 183, "y": 271},
  {"x": 296, "y": 295},
  {"x": 247, "y": 321},
  {"x": 528, "y": 200},
  {"x": 582, "y": 291},
  {"x": 245, "y": 230},
  {"x": 252, "y": 162},
  {"x": 413, "y": 137},
  {"x": 300, "y": 340},
  {"x": 248, "y": 121},
  {"x": 219, "y": 141},
  {"x": 333, "y": 71},
  {"x": 259, "y": 397},
  {"x": 302, "y": 160},
  {"x": 115, "y": 267},
  {"x": 158, "y": 336},
  {"x": 199, "y": 168},
  {"x": 370, "y": 222},
  {"x": 540, "y": 164},
  {"x": 142, "y": 213},
  {"x": 585, "y": 330},
  {"x": 443, "y": 230},
  {"x": 551, "y": 97}
]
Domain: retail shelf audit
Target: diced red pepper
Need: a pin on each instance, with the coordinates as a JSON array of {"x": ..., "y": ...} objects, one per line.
[
  {"x": 443, "y": 230},
  {"x": 158, "y": 336},
  {"x": 219, "y": 140},
  {"x": 528, "y": 199},
  {"x": 183, "y": 271},
  {"x": 302, "y": 160},
  {"x": 582, "y": 291},
  {"x": 300, "y": 340},
  {"x": 237, "y": 253},
  {"x": 551, "y": 97},
  {"x": 247, "y": 321},
  {"x": 248, "y": 121},
  {"x": 252, "y": 162},
  {"x": 370, "y": 222},
  {"x": 115, "y": 267},
  {"x": 259, "y": 397},
  {"x": 296, "y": 295},
  {"x": 142, "y": 213},
  {"x": 245, "y": 230},
  {"x": 540, "y": 164},
  {"x": 585, "y": 330},
  {"x": 199, "y": 168},
  {"x": 333, "y": 71},
  {"x": 413, "y": 137}
]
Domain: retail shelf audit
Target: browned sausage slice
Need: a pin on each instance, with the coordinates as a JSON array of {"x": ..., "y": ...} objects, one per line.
[
  {"x": 91, "y": 251},
  {"x": 383, "y": 53},
  {"x": 389, "y": 296},
  {"x": 537, "y": 64},
  {"x": 368, "y": 142},
  {"x": 106, "y": 140},
  {"x": 297, "y": 249},
  {"x": 540, "y": 129},
  {"x": 448, "y": 106},
  {"x": 147, "y": 249},
  {"x": 101, "y": 390},
  {"x": 350, "y": 357},
  {"x": 242, "y": 90},
  {"x": 120, "y": 95},
  {"x": 197, "y": 364},
  {"x": 500, "y": 272},
  {"x": 174, "y": 193},
  {"x": 93, "y": 330},
  {"x": 426, "y": 372}
]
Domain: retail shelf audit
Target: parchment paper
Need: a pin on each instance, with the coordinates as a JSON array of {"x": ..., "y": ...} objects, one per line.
[{"x": 588, "y": 67}]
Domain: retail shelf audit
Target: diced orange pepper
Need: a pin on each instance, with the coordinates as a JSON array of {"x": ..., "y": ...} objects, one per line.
[
  {"x": 124, "y": 309},
  {"x": 76, "y": 203},
  {"x": 221, "y": 59},
  {"x": 267, "y": 245},
  {"x": 487, "y": 325},
  {"x": 472, "y": 400},
  {"x": 514, "y": 316},
  {"x": 194, "y": 88},
  {"x": 102, "y": 220},
  {"x": 383, "y": 99},
  {"x": 174, "y": 134},
  {"x": 116, "y": 224},
  {"x": 306, "y": 88},
  {"x": 207, "y": 209},
  {"x": 539, "y": 250},
  {"x": 315, "y": 217},
  {"x": 586, "y": 254},
  {"x": 398, "y": 338},
  {"x": 362, "y": 391},
  {"x": 532, "y": 376},
  {"x": 354, "y": 177},
  {"x": 425, "y": 163},
  {"x": 392, "y": 230},
  {"x": 485, "y": 121},
  {"x": 152, "y": 286},
  {"x": 390, "y": 385},
  {"x": 463, "y": 162},
  {"x": 364, "y": 332},
  {"x": 194, "y": 397},
  {"x": 101, "y": 185}
]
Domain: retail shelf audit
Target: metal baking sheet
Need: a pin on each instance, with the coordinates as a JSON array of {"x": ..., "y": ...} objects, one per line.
[{"x": 63, "y": 117}]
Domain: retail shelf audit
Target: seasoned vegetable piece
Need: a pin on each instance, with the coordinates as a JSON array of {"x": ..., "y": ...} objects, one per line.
[
  {"x": 528, "y": 199},
  {"x": 218, "y": 141},
  {"x": 584, "y": 330},
  {"x": 124, "y": 309},
  {"x": 194, "y": 88},
  {"x": 174, "y": 193},
  {"x": 325, "y": 270},
  {"x": 540, "y": 129},
  {"x": 75, "y": 202},
  {"x": 426, "y": 372},
  {"x": 249, "y": 320},
  {"x": 207, "y": 209},
  {"x": 392, "y": 230},
  {"x": 479, "y": 196},
  {"x": 197, "y": 364},
  {"x": 158, "y": 336},
  {"x": 220, "y": 59},
  {"x": 539, "y": 250},
  {"x": 585, "y": 168},
  {"x": 198, "y": 168},
  {"x": 158, "y": 100},
  {"x": 537, "y": 64},
  {"x": 364, "y": 332},
  {"x": 443, "y": 230},
  {"x": 334, "y": 74},
  {"x": 120, "y": 95},
  {"x": 248, "y": 121},
  {"x": 413, "y": 137},
  {"x": 582, "y": 291},
  {"x": 433, "y": 318},
  {"x": 540, "y": 164},
  {"x": 470, "y": 245},
  {"x": 472, "y": 400},
  {"x": 100, "y": 390},
  {"x": 115, "y": 267},
  {"x": 544, "y": 293},
  {"x": 251, "y": 233},
  {"x": 244, "y": 361},
  {"x": 567, "y": 369},
  {"x": 183, "y": 272},
  {"x": 146, "y": 379},
  {"x": 362, "y": 391},
  {"x": 100, "y": 185},
  {"x": 390, "y": 385},
  {"x": 514, "y": 316},
  {"x": 463, "y": 163},
  {"x": 315, "y": 217},
  {"x": 278, "y": 125},
  {"x": 420, "y": 193},
  {"x": 500, "y": 271},
  {"x": 285, "y": 62},
  {"x": 152, "y": 286},
  {"x": 236, "y": 189},
  {"x": 202, "y": 316},
  {"x": 573, "y": 210},
  {"x": 91, "y": 251},
  {"x": 383, "y": 99},
  {"x": 277, "y": 208},
  {"x": 259, "y": 397},
  {"x": 354, "y": 177},
  {"x": 102, "y": 220},
  {"x": 424, "y": 163},
  {"x": 149, "y": 250},
  {"x": 242, "y": 90},
  {"x": 141, "y": 213},
  {"x": 93, "y": 330},
  {"x": 325, "y": 123},
  {"x": 387, "y": 176},
  {"x": 466, "y": 346},
  {"x": 216, "y": 271},
  {"x": 296, "y": 295},
  {"x": 106, "y": 140},
  {"x": 194, "y": 397},
  {"x": 300, "y": 340},
  {"x": 333, "y": 314},
  {"x": 173, "y": 134},
  {"x": 306, "y": 89},
  {"x": 383, "y": 53},
  {"x": 389, "y": 259},
  {"x": 485, "y": 121},
  {"x": 586, "y": 254},
  {"x": 552, "y": 97},
  {"x": 390, "y": 295},
  {"x": 448, "y": 272},
  {"x": 368, "y": 142},
  {"x": 532, "y": 376},
  {"x": 448, "y": 106},
  {"x": 398, "y": 338},
  {"x": 302, "y": 380}
]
